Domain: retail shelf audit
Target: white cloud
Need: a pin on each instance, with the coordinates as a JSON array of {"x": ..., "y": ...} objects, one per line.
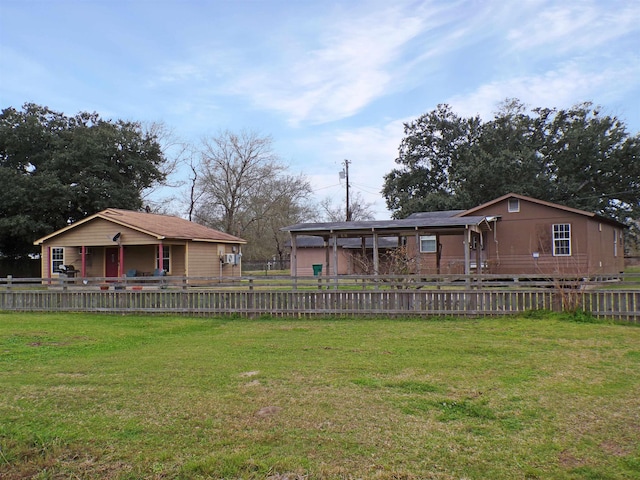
[
  {"x": 351, "y": 65},
  {"x": 575, "y": 25},
  {"x": 571, "y": 84}
]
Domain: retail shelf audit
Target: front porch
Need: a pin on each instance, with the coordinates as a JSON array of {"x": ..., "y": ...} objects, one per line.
[{"x": 116, "y": 261}]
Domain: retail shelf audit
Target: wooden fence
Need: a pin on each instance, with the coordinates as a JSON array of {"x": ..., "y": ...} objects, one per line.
[{"x": 283, "y": 296}]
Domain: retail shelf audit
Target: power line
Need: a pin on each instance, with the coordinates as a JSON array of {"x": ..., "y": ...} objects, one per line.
[
  {"x": 324, "y": 188},
  {"x": 366, "y": 188}
]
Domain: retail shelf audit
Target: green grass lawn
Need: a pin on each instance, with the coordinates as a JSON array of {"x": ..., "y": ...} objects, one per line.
[{"x": 124, "y": 397}]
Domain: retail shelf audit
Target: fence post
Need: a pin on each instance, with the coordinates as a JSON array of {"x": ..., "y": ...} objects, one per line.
[{"x": 9, "y": 279}]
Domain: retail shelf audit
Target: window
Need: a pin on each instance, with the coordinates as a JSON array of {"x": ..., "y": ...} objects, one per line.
[
  {"x": 514, "y": 205},
  {"x": 57, "y": 259},
  {"x": 428, "y": 244},
  {"x": 562, "y": 239},
  {"x": 166, "y": 258},
  {"x": 615, "y": 243}
]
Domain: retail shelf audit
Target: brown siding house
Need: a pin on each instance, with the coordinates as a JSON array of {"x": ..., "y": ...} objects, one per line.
[
  {"x": 534, "y": 236},
  {"x": 513, "y": 234},
  {"x": 116, "y": 243}
]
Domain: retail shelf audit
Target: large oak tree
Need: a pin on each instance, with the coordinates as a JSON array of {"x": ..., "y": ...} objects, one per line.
[
  {"x": 577, "y": 157},
  {"x": 56, "y": 169}
]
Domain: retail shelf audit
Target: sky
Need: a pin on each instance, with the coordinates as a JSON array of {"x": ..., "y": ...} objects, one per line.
[{"x": 328, "y": 80}]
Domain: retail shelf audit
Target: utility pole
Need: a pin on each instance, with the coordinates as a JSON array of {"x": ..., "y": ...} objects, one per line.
[{"x": 345, "y": 174}]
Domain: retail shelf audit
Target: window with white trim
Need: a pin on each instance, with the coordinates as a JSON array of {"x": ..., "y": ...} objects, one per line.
[
  {"x": 561, "y": 239},
  {"x": 166, "y": 257},
  {"x": 513, "y": 205},
  {"x": 428, "y": 244},
  {"x": 615, "y": 243},
  {"x": 57, "y": 259}
]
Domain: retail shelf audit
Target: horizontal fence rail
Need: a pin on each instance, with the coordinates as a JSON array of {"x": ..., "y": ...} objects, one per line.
[{"x": 352, "y": 295}]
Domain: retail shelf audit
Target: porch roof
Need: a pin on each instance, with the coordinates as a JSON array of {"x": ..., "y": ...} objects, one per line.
[{"x": 442, "y": 224}]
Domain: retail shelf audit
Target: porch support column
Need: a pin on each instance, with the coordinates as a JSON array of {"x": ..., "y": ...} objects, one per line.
[
  {"x": 467, "y": 259},
  {"x": 160, "y": 257},
  {"x": 376, "y": 257},
  {"x": 467, "y": 256},
  {"x": 121, "y": 260},
  {"x": 48, "y": 263},
  {"x": 478, "y": 254},
  {"x": 187, "y": 260},
  {"x": 83, "y": 255}
]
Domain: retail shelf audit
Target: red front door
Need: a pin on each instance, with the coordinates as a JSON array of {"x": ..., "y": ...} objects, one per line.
[{"x": 111, "y": 262}]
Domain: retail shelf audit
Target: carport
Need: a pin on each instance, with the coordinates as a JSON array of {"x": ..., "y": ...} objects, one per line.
[{"x": 469, "y": 228}]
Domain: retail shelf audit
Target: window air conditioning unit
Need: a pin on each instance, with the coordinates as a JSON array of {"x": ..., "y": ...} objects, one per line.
[{"x": 230, "y": 258}]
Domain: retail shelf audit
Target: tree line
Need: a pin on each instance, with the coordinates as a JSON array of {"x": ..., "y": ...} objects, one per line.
[
  {"x": 577, "y": 157},
  {"x": 57, "y": 169}
]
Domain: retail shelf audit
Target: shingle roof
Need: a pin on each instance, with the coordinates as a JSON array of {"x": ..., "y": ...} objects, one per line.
[
  {"x": 160, "y": 226},
  {"x": 410, "y": 223},
  {"x": 166, "y": 226},
  {"x": 436, "y": 214},
  {"x": 308, "y": 241}
]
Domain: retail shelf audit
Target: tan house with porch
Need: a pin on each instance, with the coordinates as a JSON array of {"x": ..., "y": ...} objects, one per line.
[{"x": 117, "y": 243}]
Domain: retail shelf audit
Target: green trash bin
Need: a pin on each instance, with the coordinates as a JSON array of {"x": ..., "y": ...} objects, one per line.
[{"x": 317, "y": 269}]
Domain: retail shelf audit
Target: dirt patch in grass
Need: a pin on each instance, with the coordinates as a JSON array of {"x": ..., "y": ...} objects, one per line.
[{"x": 567, "y": 460}]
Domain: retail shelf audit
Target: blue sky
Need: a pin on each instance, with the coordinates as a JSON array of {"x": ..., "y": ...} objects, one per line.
[{"x": 328, "y": 80}]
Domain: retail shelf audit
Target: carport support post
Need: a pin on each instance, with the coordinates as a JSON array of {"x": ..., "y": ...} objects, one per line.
[
  {"x": 467, "y": 256},
  {"x": 335, "y": 260},
  {"x": 326, "y": 256},
  {"x": 294, "y": 260},
  {"x": 376, "y": 259}
]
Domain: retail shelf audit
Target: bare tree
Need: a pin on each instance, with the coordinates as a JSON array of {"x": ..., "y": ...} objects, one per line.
[
  {"x": 242, "y": 188},
  {"x": 235, "y": 168},
  {"x": 360, "y": 209},
  {"x": 161, "y": 198}
]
